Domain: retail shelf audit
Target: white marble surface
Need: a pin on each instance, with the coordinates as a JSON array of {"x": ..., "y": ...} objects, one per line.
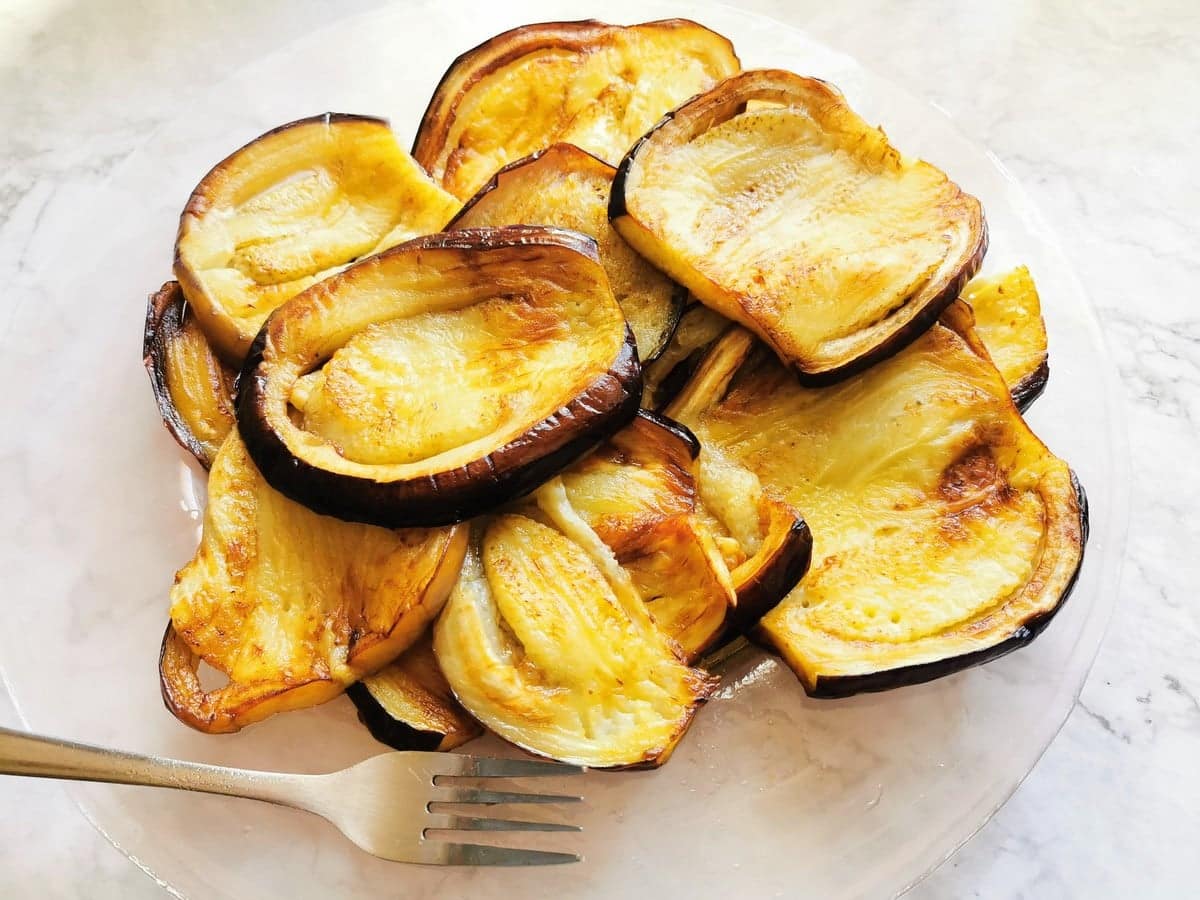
[{"x": 1092, "y": 107}]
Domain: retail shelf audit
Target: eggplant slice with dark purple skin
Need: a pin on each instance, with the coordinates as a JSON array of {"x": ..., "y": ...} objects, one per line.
[
  {"x": 409, "y": 704},
  {"x": 585, "y": 83},
  {"x": 194, "y": 390},
  {"x": 440, "y": 379},
  {"x": 290, "y": 208},
  {"x": 946, "y": 534},
  {"x": 567, "y": 187},
  {"x": 290, "y": 606},
  {"x": 1008, "y": 319},
  {"x": 774, "y": 203}
]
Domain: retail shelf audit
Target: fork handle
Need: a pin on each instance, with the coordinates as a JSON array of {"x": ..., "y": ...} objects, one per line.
[{"x": 46, "y": 757}]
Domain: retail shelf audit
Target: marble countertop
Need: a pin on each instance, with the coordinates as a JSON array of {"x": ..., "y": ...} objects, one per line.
[{"x": 1090, "y": 105}]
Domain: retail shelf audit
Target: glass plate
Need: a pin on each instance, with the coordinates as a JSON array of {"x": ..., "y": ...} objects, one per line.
[{"x": 770, "y": 793}]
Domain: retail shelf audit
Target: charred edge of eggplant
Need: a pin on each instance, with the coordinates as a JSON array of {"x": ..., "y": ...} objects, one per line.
[
  {"x": 1029, "y": 388},
  {"x": 502, "y": 236},
  {"x": 617, "y": 207},
  {"x": 439, "y": 111},
  {"x": 197, "y": 201},
  {"x": 448, "y": 497},
  {"x": 837, "y": 687},
  {"x": 773, "y": 580},
  {"x": 678, "y": 429},
  {"x": 164, "y": 321},
  {"x": 385, "y": 728},
  {"x": 921, "y": 322},
  {"x": 533, "y": 37}
]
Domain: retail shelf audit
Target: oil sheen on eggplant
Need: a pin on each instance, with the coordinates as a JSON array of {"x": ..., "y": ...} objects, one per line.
[
  {"x": 290, "y": 208},
  {"x": 585, "y": 83},
  {"x": 290, "y": 606},
  {"x": 440, "y": 379},
  {"x": 777, "y": 205},
  {"x": 546, "y": 642},
  {"x": 567, "y": 187},
  {"x": 945, "y": 532}
]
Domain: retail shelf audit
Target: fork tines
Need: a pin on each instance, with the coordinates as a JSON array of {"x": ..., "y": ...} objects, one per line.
[{"x": 446, "y": 791}]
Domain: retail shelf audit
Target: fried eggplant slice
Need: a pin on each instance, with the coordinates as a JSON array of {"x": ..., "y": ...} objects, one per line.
[
  {"x": 545, "y": 641},
  {"x": 779, "y": 207},
  {"x": 585, "y": 83},
  {"x": 568, "y": 188},
  {"x": 665, "y": 376},
  {"x": 192, "y": 387},
  {"x": 451, "y": 375},
  {"x": 289, "y": 605},
  {"x": 290, "y": 208},
  {"x": 946, "y": 534},
  {"x": 637, "y": 493},
  {"x": 1008, "y": 319},
  {"x": 408, "y": 705}
]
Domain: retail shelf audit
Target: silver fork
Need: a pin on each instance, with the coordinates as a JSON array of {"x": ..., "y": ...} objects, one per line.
[{"x": 383, "y": 804}]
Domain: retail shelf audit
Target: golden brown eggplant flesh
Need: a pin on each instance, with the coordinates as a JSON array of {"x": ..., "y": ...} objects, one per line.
[
  {"x": 291, "y": 208},
  {"x": 409, "y": 705},
  {"x": 567, "y": 187},
  {"x": 192, "y": 387},
  {"x": 440, "y": 379},
  {"x": 774, "y": 203},
  {"x": 585, "y": 83},
  {"x": 290, "y": 606},
  {"x": 637, "y": 493},
  {"x": 764, "y": 540},
  {"x": 1008, "y": 320},
  {"x": 545, "y": 641},
  {"x": 945, "y": 532},
  {"x": 635, "y": 481}
]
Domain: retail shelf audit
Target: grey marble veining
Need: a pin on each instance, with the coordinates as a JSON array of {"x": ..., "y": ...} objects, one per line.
[{"x": 1091, "y": 106}]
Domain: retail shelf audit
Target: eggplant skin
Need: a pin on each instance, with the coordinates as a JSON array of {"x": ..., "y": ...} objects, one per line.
[
  {"x": 838, "y": 687},
  {"x": 773, "y": 575},
  {"x": 767, "y": 307},
  {"x": 387, "y": 730},
  {"x": 169, "y": 329},
  {"x": 1032, "y": 386},
  {"x": 905, "y": 604},
  {"x": 450, "y": 496},
  {"x": 409, "y": 706}
]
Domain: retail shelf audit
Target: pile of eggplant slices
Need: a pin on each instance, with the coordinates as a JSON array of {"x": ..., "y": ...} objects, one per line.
[{"x": 637, "y": 354}]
